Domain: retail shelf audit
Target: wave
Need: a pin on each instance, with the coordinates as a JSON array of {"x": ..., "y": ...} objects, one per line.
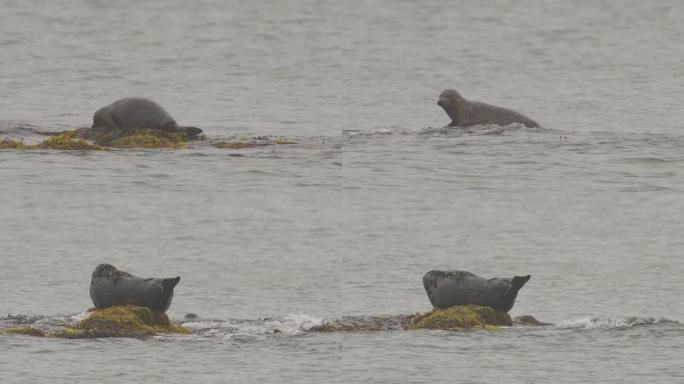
[
  {"x": 297, "y": 324},
  {"x": 475, "y": 130},
  {"x": 613, "y": 322}
]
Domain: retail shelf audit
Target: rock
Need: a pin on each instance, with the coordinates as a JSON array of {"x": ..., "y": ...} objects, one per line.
[
  {"x": 135, "y": 137},
  {"x": 459, "y": 317},
  {"x": 67, "y": 140},
  {"x": 122, "y": 321},
  {"x": 364, "y": 324},
  {"x": 528, "y": 320},
  {"x": 11, "y": 144},
  {"x": 29, "y": 331}
]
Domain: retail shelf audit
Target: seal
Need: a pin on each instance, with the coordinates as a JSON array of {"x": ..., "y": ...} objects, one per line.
[
  {"x": 138, "y": 112},
  {"x": 110, "y": 287},
  {"x": 448, "y": 288},
  {"x": 464, "y": 113}
]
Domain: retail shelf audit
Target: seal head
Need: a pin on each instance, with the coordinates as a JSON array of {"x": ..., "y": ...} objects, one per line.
[{"x": 110, "y": 286}]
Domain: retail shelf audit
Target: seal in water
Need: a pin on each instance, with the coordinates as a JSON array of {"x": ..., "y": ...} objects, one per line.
[
  {"x": 464, "y": 113},
  {"x": 138, "y": 112},
  {"x": 110, "y": 287},
  {"x": 448, "y": 288}
]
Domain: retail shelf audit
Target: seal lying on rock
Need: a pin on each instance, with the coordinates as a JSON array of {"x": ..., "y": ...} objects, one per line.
[
  {"x": 464, "y": 113},
  {"x": 449, "y": 288},
  {"x": 110, "y": 287},
  {"x": 138, "y": 112}
]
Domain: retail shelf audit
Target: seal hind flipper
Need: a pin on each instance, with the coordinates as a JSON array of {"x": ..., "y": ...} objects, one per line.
[
  {"x": 519, "y": 281},
  {"x": 169, "y": 284}
]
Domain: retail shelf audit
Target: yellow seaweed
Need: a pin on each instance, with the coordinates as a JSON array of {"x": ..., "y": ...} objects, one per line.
[
  {"x": 461, "y": 316},
  {"x": 281, "y": 141},
  {"x": 67, "y": 140},
  {"x": 29, "y": 331},
  {"x": 11, "y": 144}
]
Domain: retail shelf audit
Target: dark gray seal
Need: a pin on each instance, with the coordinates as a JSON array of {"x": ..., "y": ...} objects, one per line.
[
  {"x": 110, "y": 287},
  {"x": 464, "y": 113},
  {"x": 449, "y": 288},
  {"x": 138, "y": 112}
]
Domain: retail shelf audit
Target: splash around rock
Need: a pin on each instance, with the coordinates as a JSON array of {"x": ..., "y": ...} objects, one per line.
[
  {"x": 454, "y": 318},
  {"x": 119, "y": 321}
]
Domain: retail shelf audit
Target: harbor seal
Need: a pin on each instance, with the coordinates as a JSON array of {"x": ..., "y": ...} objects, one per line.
[
  {"x": 464, "y": 113},
  {"x": 138, "y": 112},
  {"x": 448, "y": 288},
  {"x": 110, "y": 287}
]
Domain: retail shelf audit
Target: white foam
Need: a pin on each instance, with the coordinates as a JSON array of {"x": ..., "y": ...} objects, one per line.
[
  {"x": 604, "y": 322},
  {"x": 292, "y": 324}
]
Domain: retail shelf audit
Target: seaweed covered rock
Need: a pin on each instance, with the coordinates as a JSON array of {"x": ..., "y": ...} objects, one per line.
[
  {"x": 250, "y": 142},
  {"x": 461, "y": 316},
  {"x": 29, "y": 331},
  {"x": 66, "y": 140},
  {"x": 11, "y": 144},
  {"x": 136, "y": 137},
  {"x": 122, "y": 321},
  {"x": 103, "y": 138},
  {"x": 529, "y": 320}
]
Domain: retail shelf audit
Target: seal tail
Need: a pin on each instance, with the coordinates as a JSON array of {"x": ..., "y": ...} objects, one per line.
[
  {"x": 518, "y": 282},
  {"x": 169, "y": 284}
]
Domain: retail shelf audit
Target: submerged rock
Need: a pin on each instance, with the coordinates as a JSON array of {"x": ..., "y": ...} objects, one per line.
[
  {"x": 528, "y": 320},
  {"x": 122, "y": 321},
  {"x": 461, "y": 316},
  {"x": 250, "y": 142},
  {"x": 364, "y": 324},
  {"x": 11, "y": 144},
  {"x": 66, "y": 140},
  {"x": 453, "y": 318},
  {"x": 29, "y": 331}
]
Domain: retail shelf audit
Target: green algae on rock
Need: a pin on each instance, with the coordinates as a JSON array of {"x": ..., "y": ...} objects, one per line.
[
  {"x": 29, "y": 331},
  {"x": 135, "y": 137},
  {"x": 461, "y": 316},
  {"x": 66, "y": 140},
  {"x": 122, "y": 321},
  {"x": 11, "y": 144}
]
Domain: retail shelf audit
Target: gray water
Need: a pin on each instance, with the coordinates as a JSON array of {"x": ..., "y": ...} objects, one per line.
[{"x": 375, "y": 194}]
